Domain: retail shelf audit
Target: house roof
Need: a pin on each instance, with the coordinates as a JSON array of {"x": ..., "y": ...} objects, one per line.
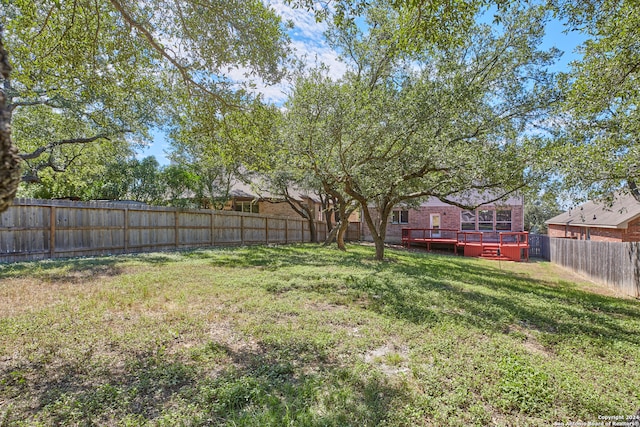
[
  {"x": 625, "y": 209},
  {"x": 477, "y": 198},
  {"x": 242, "y": 190}
]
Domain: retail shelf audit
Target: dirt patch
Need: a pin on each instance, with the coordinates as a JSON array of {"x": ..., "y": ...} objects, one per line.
[
  {"x": 18, "y": 296},
  {"x": 529, "y": 340},
  {"x": 389, "y": 358},
  {"x": 323, "y": 306}
]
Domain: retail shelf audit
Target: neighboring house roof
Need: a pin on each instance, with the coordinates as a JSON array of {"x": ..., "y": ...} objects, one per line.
[
  {"x": 242, "y": 190},
  {"x": 624, "y": 209},
  {"x": 477, "y": 198}
]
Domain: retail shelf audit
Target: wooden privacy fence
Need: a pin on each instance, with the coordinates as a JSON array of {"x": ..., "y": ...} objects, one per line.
[
  {"x": 613, "y": 264},
  {"x": 353, "y": 231},
  {"x": 37, "y": 229},
  {"x": 539, "y": 246}
]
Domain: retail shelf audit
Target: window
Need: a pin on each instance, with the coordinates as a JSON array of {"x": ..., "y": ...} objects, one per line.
[
  {"x": 400, "y": 217},
  {"x": 247, "y": 207},
  {"x": 485, "y": 220},
  {"x": 503, "y": 220},
  {"x": 467, "y": 221}
]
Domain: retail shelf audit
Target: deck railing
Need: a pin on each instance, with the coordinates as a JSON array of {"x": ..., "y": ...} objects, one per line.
[
  {"x": 520, "y": 238},
  {"x": 514, "y": 238},
  {"x": 470, "y": 237},
  {"x": 417, "y": 234},
  {"x": 511, "y": 244}
]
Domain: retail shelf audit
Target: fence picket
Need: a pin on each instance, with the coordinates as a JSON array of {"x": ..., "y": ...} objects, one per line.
[
  {"x": 37, "y": 229},
  {"x": 539, "y": 246},
  {"x": 614, "y": 264}
]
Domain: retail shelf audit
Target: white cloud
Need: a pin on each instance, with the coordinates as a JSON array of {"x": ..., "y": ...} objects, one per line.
[
  {"x": 305, "y": 24},
  {"x": 308, "y": 44}
]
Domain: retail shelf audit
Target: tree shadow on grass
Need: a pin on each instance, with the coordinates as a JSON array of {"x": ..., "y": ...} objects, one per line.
[
  {"x": 425, "y": 288},
  {"x": 284, "y": 256},
  {"x": 58, "y": 269},
  {"x": 463, "y": 291},
  {"x": 267, "y": 257},
  {"x": 273, "y": 385}
]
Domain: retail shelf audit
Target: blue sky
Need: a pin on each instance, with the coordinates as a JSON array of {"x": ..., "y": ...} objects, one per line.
[{"x": 308, "y": 42}]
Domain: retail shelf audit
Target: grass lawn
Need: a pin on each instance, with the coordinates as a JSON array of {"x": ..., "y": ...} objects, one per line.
[{"x": 309, "y": 336}]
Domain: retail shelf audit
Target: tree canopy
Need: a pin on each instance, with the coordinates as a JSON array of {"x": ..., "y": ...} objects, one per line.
[
  {"x": 595, "y": 148},
  {"x": 9, "y": 160},
  {"x": 89, "y": 71},
  {"x": 434, "y": 102},
  {"x": 400, "y": 126}
]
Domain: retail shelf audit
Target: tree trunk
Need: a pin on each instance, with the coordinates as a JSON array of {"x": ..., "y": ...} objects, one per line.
[
  {"x": 324, "y": 201},
  {"x": 384, "y": 210},
  {"x": 635, "y": 192},
  {"x": 305, "y": 211},
  {"x": 9, "y": 160},
  {"x": 331, "y": 236},
  {"x": 377, "y": 233},
  {"x": 313, "y": 231},
  {"x": 379, "y": 246},
  {"x": 342, "y": 230}
]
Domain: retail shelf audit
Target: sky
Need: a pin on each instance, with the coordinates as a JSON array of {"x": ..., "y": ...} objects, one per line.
[{"x": 307, "y": 38}]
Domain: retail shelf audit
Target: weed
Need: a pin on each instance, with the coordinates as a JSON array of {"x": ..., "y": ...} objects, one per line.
[
  {"x": 309, "y": 336},
  {"x": 524, "y": 387}
]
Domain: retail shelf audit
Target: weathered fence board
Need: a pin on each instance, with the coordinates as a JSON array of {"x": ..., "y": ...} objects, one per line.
[
  {"x": 353, "y": 231},
  {"x": 37, "y": 229},
  {"x": 613, "y": 264},
  {"x": 539, "y": 246},
  {"x": 276, "y": 230}
]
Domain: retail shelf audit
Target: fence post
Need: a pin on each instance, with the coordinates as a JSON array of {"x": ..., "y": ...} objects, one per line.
[
  {"x": 242, "y": 229},
  {"x": 177, "y": 231},
  {"x": 212, "y": 229},
  {"x": 126, "y": 230},
  {"x": 286, "y": 230},
  {"x": 266, "y": 230},
  {"x": 52, "y": 231}
]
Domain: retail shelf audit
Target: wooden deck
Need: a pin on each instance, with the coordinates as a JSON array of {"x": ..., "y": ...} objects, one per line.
[{"x": 508, "y": 246}]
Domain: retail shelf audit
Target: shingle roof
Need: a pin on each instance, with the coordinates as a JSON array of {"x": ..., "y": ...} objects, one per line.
[
  {"x": 625, "y": 208},
  {"x": 241, "y": 189},
  {"x": 478, "y": 198}
]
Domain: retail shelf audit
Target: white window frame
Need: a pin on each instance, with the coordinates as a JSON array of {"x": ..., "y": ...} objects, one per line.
[
  {"x": 510, "y": 222},
  {"x": 485, "y": 222},
  {"x": 474, "y": 225},
  {"x": 396, "y": 216},
  {"x": 247, "y": 206}
]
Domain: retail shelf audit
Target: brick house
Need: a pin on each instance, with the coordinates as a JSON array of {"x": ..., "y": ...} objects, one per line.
[
  {"x": 504, "y": 216},
  {"x": 244, "y": 198},
  {"x": 597, "y": 221}
]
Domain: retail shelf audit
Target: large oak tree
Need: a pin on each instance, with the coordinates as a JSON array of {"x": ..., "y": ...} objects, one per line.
[
  {"x": 596, "y": 148},
  {"x": 89, "y": 71},
  {"x": 9, "y": 160},
  {"x": 403, "y": 125}
]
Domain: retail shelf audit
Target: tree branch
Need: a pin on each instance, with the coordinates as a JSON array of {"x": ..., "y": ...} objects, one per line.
[
  {"x": 39, "y": 151},
  {"x": 472, "y": 207},
  {"x": 184, "y": 72},
  {"x": 47, "y": 102}
]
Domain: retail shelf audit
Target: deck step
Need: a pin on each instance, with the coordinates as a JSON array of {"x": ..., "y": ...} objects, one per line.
[
  {"x": 490, "y": 252},
  {"x": 496, "y": 258},
  {"x": 493, "y": 253}
]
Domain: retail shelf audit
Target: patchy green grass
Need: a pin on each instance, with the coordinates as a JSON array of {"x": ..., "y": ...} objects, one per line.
[{"x": 303, "y": 335}]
